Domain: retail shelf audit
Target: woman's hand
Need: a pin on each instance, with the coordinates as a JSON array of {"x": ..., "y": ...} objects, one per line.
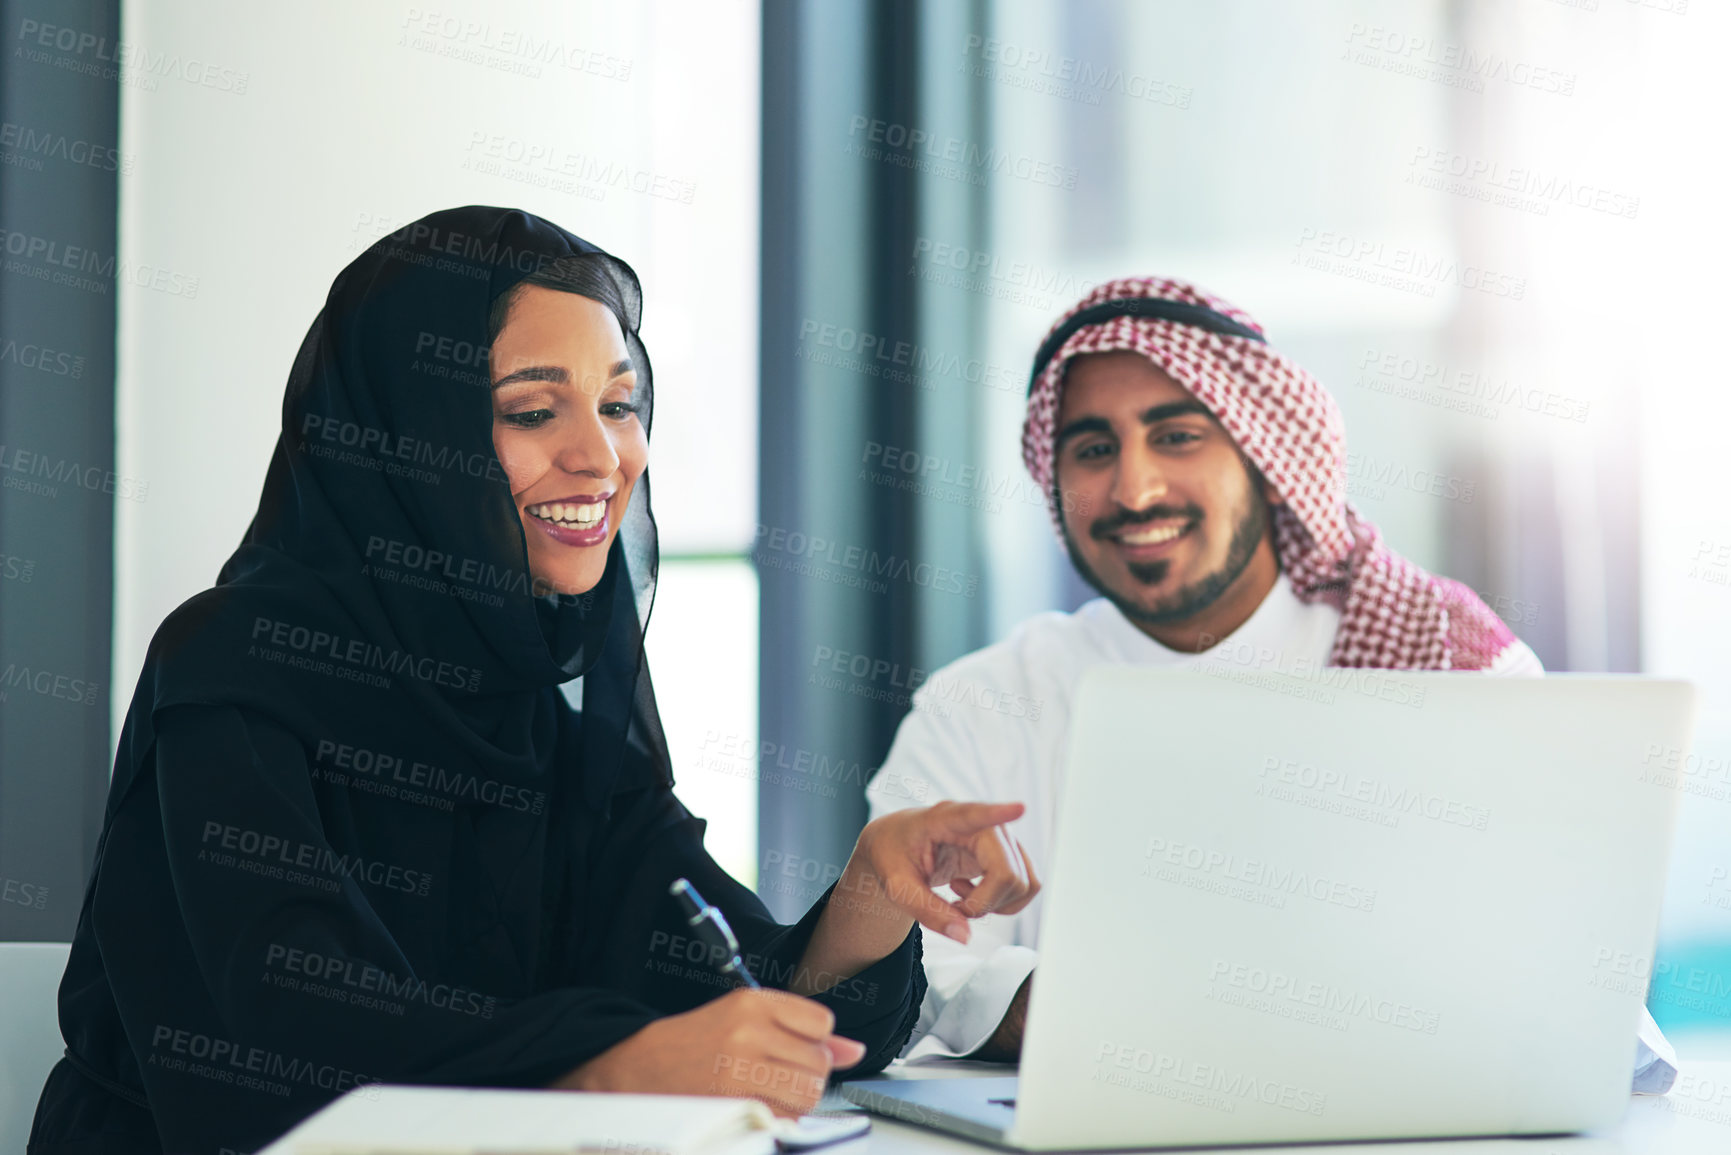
[
  {"x": 888, "y": 882},
  {"x": 766, "y": 1045},
  {"x": 907, "y": 854}
]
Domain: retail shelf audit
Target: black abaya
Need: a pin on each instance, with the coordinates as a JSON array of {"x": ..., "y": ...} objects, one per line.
[{"x": 355, "y": 833}]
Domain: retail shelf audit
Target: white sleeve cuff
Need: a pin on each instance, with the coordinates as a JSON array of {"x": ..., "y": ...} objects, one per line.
[
  {"x": 1655, "y": 1058},
  {"x": 961, "y": 1024}
]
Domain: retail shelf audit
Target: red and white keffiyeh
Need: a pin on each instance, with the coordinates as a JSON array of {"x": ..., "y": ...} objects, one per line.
[{"x": 1394, "y": 615}]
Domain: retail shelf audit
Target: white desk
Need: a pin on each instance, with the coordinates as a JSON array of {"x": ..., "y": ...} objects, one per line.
[{"x": 1695, "y": 1119}]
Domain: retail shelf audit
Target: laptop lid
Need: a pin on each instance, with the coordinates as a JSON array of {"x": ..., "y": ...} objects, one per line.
[{"x": 1366, "y": 906}]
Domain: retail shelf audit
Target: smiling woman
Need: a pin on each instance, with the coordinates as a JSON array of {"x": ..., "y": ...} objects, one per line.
[
  {"x": 357, "y": 833},
  {"x": 567, "y": 416}
]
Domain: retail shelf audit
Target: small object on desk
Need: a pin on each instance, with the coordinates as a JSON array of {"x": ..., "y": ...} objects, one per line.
[
  {"x": 710, "y": 926},
  {"x": 810, "y": 1132},
  {"x": 390, "y": 1120}
]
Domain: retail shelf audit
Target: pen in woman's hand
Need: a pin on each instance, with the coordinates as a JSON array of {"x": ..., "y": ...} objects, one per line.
[{"x": 710, "y": 926}]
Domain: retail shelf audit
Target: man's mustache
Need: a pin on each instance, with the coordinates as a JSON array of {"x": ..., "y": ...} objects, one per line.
[{"x": 1107, "y": 526}]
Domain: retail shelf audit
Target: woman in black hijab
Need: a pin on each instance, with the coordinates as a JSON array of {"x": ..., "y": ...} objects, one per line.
[{"x": 356, "y": 834}]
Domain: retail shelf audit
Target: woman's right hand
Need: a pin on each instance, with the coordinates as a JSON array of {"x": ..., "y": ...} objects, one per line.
[{"x": 767, "y": 1045}]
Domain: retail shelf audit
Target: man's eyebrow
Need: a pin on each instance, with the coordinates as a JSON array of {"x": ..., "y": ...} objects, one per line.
[
  {"x": 1175, "y": 409},
  {"x": 1148, "y": 417},
  {"x": 1080, "y": 426}
]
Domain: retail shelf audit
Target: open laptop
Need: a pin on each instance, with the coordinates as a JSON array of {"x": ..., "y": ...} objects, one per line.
[{"x": 1363, "y": 906}]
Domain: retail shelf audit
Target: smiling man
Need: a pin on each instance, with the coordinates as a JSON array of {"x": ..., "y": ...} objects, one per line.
[{"x": 1197, "y": 478}]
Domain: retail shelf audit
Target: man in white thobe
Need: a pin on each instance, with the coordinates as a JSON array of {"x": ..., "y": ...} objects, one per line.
[{"x": 1197, "y": 479}]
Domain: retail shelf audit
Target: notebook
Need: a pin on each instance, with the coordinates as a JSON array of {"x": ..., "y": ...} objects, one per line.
[{"x": 390, "y": 1120}]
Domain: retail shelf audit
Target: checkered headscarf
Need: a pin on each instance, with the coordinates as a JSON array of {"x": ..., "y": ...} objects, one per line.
[{"x": 1394, "y": 615}]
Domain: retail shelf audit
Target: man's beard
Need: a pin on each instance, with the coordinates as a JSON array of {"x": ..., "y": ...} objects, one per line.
[{"x": 1195, "y": 597}]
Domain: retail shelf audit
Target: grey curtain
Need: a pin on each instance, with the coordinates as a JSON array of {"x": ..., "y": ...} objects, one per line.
[
  {"x": 59, "y": 188},
  {"x": 865, "y": 582}
]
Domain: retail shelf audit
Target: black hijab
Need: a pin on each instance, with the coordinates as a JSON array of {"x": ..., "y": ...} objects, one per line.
[{"x": 384, "y": 581}]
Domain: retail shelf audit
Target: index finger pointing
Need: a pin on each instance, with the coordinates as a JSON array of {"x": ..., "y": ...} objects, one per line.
[{"x": 963, "y": 818}]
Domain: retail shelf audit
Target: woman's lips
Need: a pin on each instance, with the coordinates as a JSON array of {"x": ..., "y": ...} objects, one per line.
[{"x": 577, "y": 521}]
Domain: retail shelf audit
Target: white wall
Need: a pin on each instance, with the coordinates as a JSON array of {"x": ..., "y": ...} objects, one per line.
[{"x": 328, "y": 124}]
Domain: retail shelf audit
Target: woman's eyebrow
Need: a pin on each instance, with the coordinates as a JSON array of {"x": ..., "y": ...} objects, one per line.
[
  {"x": 556, "y": 374},
  {"x": 553, "y": 373}
]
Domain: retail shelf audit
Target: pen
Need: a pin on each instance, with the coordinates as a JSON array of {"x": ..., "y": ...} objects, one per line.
[{"x": 710, "y": 925}]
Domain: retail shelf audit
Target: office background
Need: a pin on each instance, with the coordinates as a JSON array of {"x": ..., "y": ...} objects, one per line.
[{"x": 1494, "y": 229}]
